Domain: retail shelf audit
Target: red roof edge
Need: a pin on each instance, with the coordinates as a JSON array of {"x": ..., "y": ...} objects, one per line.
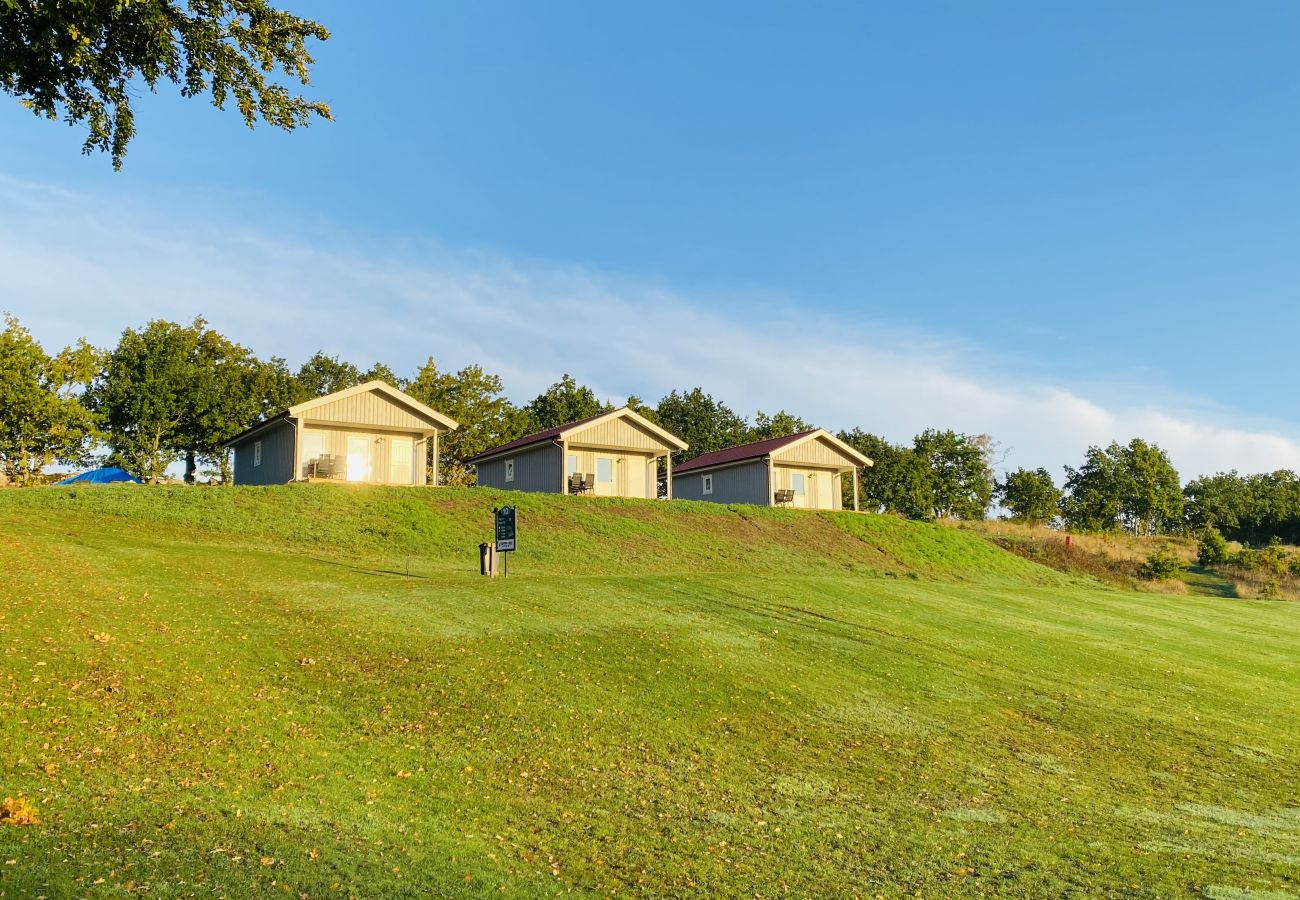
[
  {"x": 536, "y": 437},
  {"x": 755, "y": 450}
]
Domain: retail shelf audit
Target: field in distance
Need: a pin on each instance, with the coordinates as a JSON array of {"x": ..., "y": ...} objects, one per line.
[{"x": 310, "y": 690}]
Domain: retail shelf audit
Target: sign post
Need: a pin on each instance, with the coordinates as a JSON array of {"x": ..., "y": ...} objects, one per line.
[{"x": 505, "y": 535}]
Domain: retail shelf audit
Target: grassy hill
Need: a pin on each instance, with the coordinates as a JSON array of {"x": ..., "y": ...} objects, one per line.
[{"x": 310, "y": 690}]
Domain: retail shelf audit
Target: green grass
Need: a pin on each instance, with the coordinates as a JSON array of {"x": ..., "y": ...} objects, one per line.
[{"x": 663, "y": 700}]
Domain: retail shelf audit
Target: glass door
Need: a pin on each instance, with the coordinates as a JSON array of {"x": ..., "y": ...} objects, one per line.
[{"x": 358, "y": 458}]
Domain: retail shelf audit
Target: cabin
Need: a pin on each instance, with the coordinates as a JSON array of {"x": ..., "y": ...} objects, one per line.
[
  {"x": 802, "y": 471},
  {"x": 614, "y": 454},
  {"x": 372, "y": 433}
]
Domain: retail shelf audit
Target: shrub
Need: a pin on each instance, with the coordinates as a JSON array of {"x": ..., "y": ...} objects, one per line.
[
  {"x": 1294, "y": 568},
  {"x": 1246, "y": 560},
  {"x": 1270, "y": 590},
  {"x": 1274, "y": 559},
  {"x": 1160, "y": 566},
  {"x": 1212, "y": 550}
]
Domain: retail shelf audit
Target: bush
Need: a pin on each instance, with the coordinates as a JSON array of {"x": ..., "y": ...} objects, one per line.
[
  {"x": 1294, "y": 568},
  {"x": 1212, "y": 550},
  {"x": 1274, "y": 559},
  {"x": 1160, "y": 566},
  {"x": 1246, "y": 560}
]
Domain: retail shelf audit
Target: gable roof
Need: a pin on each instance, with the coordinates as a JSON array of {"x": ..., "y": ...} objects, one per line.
[
  {"x": 560, "y": 432},
  {"x": 383, "y": 387},
  {"x": 761, "y": 449}
]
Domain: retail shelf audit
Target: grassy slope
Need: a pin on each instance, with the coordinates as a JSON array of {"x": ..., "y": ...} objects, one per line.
[{"x": 880, "y": 707}]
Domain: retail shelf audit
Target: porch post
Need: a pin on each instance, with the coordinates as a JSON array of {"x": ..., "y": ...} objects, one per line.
[
  {"x": 435, "y": 457},
  {"x": 855, "y": 490},
  {"x": 668, "y": 475}
]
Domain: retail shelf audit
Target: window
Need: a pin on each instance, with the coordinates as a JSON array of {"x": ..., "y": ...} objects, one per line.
[
  {"x": 573, "y": 464},
  {"x": 707, "y": 480},
  {"x": 510, "y": 470},
  {"x": 604, "y": 469},
  {"x": 796, "y": 484},
  {"x": 313, "y": 445},
  {"x": 257, "y": 453}
]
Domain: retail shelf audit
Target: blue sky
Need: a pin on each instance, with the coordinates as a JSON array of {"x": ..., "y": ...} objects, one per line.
[{"x": 1094, "y": 201}]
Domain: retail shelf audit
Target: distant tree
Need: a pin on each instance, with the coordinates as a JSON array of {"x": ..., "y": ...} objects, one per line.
[
  {"x": 42, "y": 418},
  {"x": 1094, "y": 492},
  {"x": 226, "y": 395},
  {"x": 1221, "y": 502},
  {"x": 380, "y": 372},
  {"x": 900, "y": 481},
  {"x": 172, "y": 391},
  {"x": 1030, "y": 496},
  {"x": 782, "y": 424},
  {"x": 563, "y": 402},
  {"x": 474, "y": 399},
  {"x": 1274, "y": 508},
  {"x": 83, "y": 61},
  {"x": 143, "y": 396},
  {"x": 704, "y": 423},
  {"x": 1154, "y": 504},
  {"x": 1131, "y": 486},
  {"x": 321, "y": 375},
  {"x": 277, "y": 387},
  {"x": 641, "y": 408},
  {"x": 962, "y": 480}
]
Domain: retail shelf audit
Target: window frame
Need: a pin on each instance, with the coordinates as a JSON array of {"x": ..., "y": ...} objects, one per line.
[
  {"x": 610, "y": 463},
  {"x": 510, "y": 470},
  {"x": 706, "y": 483},
  {"x": 257, "y": 454},
  {"x": 801, "y": 480}
]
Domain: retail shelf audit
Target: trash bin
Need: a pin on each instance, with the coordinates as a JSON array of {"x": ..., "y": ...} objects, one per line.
[{"x": 486, "y": 562}]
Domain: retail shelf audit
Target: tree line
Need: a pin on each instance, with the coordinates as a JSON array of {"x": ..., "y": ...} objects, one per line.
[{"x": 169, "y": 393}]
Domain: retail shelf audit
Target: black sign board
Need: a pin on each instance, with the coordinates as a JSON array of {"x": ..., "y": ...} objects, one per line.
[{"x": 505, "y": 528}]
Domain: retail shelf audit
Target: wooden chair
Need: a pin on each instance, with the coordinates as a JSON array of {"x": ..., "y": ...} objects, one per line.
[{"x": 783, "y": 497}]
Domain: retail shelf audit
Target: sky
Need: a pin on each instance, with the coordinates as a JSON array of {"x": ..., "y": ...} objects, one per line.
[{"x": 1059, "y": 224}]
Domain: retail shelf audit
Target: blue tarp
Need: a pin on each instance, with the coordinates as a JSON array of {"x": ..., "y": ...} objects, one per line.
[{"x": 106, "y": 475}]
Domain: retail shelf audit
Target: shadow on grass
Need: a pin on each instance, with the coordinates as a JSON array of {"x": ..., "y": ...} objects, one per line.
[
  {"x": 1205, "y": 583},
  {"x": 366, "y": 570}
]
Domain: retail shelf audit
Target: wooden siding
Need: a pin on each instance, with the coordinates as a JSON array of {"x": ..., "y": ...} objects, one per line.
[
  {"x": 369, "y": 409},
  {"x": 277, "y": 456},
  {"x": 539, "y": 469},
  {"x": 317, "y": 440},
  {"x": 817, "y": 452},
  {"x": 618, "y": 434},
  {"x": 742, "y": 483},
  {"x": 635, "y": 474},
  {"x": 822, "y": 485}
]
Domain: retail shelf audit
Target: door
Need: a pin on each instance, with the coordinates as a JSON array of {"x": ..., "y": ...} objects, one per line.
[
  {"x": 799, "y": 484},
  {"x": 605, "y": 484},
  {"x": 824, "y": 485},
  {"x": 358, "y": 458},
  {"x": 400, "y": 461}
]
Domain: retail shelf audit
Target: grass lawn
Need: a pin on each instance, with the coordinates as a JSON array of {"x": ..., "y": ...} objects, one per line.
[{"x": 234, "y": 692}]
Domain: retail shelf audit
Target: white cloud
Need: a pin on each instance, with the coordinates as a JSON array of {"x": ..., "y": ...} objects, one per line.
[{"x": 75, "y": 265}]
